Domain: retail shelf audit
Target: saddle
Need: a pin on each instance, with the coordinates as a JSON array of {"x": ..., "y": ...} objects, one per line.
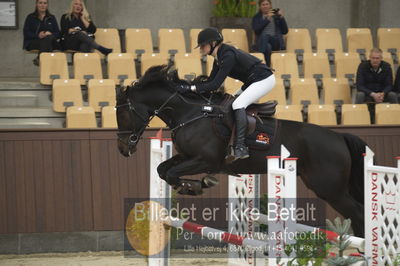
[{"x": 254, "y": 112}]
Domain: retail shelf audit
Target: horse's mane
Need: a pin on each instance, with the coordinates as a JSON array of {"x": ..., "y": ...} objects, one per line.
[{"x": 165, "y": 74}]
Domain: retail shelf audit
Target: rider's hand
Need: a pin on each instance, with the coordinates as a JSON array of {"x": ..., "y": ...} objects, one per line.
[{"x": 183, "y": 88}]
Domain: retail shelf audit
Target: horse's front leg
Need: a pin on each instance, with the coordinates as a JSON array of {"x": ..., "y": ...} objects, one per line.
[
  {"x": 190, "y": 166},
  {"x": 163, "y": 167}
]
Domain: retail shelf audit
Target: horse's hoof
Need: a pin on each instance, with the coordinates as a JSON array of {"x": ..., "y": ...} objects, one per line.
[
  {"x": 190, "y": 187},
  {"x": 209, "y": 181}
]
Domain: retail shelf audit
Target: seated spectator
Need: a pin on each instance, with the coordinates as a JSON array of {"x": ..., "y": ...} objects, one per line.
[
  {"x": 397, "y": 81},
  {"x": 41, "y": 30},
  {"x": 269, "y": 25},
  {"x": 375, "y": 80},
  {"x": 78, "y": 30}
]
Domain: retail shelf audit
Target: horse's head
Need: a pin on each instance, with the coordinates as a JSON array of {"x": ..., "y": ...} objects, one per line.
[{"x": 132, "y": 118}]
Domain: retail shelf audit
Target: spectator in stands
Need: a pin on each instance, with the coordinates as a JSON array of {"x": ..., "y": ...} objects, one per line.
[
  {"x": 396, "y": 88},
  {"x": 78, "y": 30},
  {"x": 41, "y": 30},
  {"x": 375, "y": 80},
  {"x": 269, "y": 25},
  {"x": 258, "y": 80}
]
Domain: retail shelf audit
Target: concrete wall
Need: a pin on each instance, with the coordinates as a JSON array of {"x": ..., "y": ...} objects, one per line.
[{"x": 188, "y": 14}]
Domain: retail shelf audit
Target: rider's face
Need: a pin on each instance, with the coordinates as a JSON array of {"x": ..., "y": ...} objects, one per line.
[{"x": 205, "y": 49}]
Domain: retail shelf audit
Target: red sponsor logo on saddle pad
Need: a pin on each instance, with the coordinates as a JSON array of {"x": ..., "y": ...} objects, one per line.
[{"x": 262, "y": 138}]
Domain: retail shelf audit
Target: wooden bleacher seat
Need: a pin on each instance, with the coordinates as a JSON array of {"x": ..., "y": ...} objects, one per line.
[
  {"x": 289, "y": 112},
  {"x": 188, "y": 66},
  {"x": 347, "y": 64},
  {"x": 298, "y": 39},
  {"x": 236, "y": 38},
  {"x": 138, "y": 39},
  {"x": 387, "y": 57},
  {"x": 154, "y": 59},
  {"x": 359, "y": 38},
  {"x": 277, "y": 93},
  {"x": 101, "y": 92},
  {"x": 171, "y": 39},
  {"x": 87, "y": 66},
  {"x": 81, "y": 117},
  {"x": 285, "y": 64},
  {"x": 336, "y": 89},
  {"x": 66, "y": 92},
  {"x": 128, "y": 82},
  {"x": 387, "y": 114},
  {"x": 108, "y": 38},
  {"x": 232, "y": 85},
  {"x": 109, "y": 117},
  {"x": 193, "y": 33},
  {"x": 389, "y": 38},
  {"x": 323, "y": 115},
  {"x": 53, "y": 66},
  {"x": 303, "y": 90},
  {"x": 355, "y": 114},
  {"x": 156, "y": 122},
  {"x": 259, "y": 56},
  {"x": 316, "y": 64},
  {"x": 121, "y": 66},
  {"x": 329, "y": 38}
]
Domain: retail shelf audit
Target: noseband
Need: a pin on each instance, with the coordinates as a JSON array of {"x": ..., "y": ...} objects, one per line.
[{"x": 134, "y": 137}]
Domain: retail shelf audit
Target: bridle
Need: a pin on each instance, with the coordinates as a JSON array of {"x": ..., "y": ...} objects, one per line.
[{"x": 134, "y": 137}]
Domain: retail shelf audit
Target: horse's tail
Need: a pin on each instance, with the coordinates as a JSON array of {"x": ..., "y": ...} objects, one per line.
[{"x": 356, "y": 148}]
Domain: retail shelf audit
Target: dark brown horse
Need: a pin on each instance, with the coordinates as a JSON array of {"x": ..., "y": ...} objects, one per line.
[{"x": 330, "y": 163}]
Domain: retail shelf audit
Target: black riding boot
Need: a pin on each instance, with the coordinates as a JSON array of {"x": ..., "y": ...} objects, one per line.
[{"x": 240, "y": 149}]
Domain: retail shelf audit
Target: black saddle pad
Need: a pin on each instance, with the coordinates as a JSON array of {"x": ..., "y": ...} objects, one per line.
[{"x": 264, "y": 135}]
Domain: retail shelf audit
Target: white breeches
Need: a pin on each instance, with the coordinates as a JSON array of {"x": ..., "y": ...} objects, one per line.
[{"x": 254, "y": 92}]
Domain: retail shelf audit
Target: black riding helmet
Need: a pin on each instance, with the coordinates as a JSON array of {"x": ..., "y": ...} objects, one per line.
[{"x": 209, "y": 35}]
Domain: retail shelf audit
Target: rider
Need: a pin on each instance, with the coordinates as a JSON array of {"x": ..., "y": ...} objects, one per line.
[{"x": 229, "y": 61}]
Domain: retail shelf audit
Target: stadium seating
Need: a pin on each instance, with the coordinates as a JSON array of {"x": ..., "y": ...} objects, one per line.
[
  {"x": 53, "y": 66},
  {"x": 121, "y": 66},
  {"x": 387, "y": 114},
  {"x": 138, "y": 39},
  {"x": 101, "y": 92},
  {"x": 336, "y": 89},
  {"x": 328, "y": 39},
  {"x": 157, "y": 122},
  {"x": 259, "y": 56},
  {"x": 232, "y": 85},
  {"x": 389, "y": 38},
  {"x": 236, "y": 38},
  {"x": 108, "y": 38},
  {"x": 81, "y": 117},
  {"x": 323, "y": 115},
  {"x": 359, "y": 38},
  {"x": 316, "y": 64},
  {"x": 346, "y": 64},
  {"x": 87, "y": 66},
  {"x": 289, "y": 112},
  {"x": 171, "y": 39},
  {"x": 188, "y": 66},
  {"x": 66, "y": 92},
  {"x": 149, "y": 60},
  {"x": 298, "y": 39},
  {"x": 285, "y": 64},
  {"x": 109, "y": 117},
  {"x": 355, "y": 114},
  {"x": 303, "y": 91}
]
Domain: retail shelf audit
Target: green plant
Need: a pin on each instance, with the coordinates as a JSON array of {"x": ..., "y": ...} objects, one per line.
[
  {"x": 234, "y": 8},
  {"x": 342, "y": 229}
]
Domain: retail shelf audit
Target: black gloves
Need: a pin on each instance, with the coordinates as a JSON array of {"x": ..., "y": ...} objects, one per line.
[{"x": 183, "y": 88}]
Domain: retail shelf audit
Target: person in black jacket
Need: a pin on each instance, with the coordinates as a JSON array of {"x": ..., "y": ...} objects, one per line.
[
  {"x": 396, "y": 88},
  {"x": 229, "y": 61},
  {"x": 78, "y": 30},
  {"x": 41, "y": 30},
  {"x": 375, "y": 80},
  {"x": 269, "y": 26}
]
